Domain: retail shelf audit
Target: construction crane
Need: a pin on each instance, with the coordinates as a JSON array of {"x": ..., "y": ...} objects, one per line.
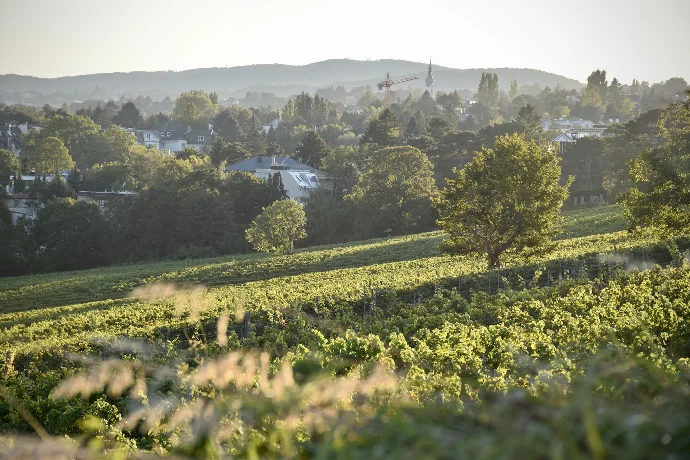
[{"x": 387, "y": 83}]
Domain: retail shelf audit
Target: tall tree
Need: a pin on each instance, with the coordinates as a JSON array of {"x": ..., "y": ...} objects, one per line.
[
  {"x": 278, "y": 227},
  {"x": 228, "y": 152},
  {"x": 312, "y": 150},
  {"x": 383, "y": 130},
  {"x": 514, "y": 91},
  {"x": 9, "y": 164},
  {"x": 508, "y": 197},
  {"x": 49, "y": 156},
  {"x": 73, "y": 234},
  {"x": 488, "y": 92},
  {"x": 255, "y": 141},
  {"x": 597, "y": 79},
  {"x": 530, "y": 120},
  {"x": 394, "y": 191},
  {"x": 194, "y": 108},
  {"x": 128, "y": 116},
  {"x": 592, "y": 105},
  {"x": 662, "y": 198}
]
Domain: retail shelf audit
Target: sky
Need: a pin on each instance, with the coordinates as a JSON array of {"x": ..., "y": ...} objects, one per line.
[{"x": 643, "y": 39}]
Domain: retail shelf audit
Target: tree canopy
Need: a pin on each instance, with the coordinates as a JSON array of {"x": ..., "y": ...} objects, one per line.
[
  {"x": 194, "y": 108},
  {"x": 661, "y": 199},
  {"x": 507, "y": 197},
  {"x": 394, "y": 191},
  {"x": 278, "y": 227},
  {"x": 49, "y": 156}
]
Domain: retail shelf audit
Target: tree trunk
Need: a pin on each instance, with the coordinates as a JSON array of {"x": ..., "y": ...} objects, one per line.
[{"x": 493, "y": 259}]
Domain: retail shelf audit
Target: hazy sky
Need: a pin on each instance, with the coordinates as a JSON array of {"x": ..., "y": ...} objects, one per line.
[{"x": 644, "y": 39}]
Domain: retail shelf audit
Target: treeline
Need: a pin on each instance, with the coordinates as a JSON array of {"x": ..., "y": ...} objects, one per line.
[{"x": 189, "y": 210}]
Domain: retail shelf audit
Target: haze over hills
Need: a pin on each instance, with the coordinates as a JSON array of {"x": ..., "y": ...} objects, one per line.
[{"x": 283, "y": 80}]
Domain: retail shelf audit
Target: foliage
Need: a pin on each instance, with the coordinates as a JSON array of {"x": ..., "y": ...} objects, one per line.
[
  {"x": 383, "y": 131},
  {"x": 49, "y": 156},
  {"x": 128, "y": 116},
  {"x": 227, "y": 152},
  {"x": 342, "y": 166},
  {"x": 194, "y": 108},
  {"x": 278, "y": 227},
  {"x": 312, "y": 150},
  {"x": 9, "y": 164},
  {"x": 488, "y": 92},
  {"x": 162, "y": 222},
  {"x": 394, "y": 191},
  {"x": 507, "y": 197},
  {"x": 662, "y": 199},
  {"x": 70, "y": 235}
]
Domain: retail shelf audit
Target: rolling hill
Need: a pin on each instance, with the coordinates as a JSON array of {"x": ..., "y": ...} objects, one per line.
[{"x": 283, "y": 80}]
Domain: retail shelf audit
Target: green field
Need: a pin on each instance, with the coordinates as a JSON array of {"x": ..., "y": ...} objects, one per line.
[
  {"x": 71, "y": 309},
  {"x": 471, "y": 354}
]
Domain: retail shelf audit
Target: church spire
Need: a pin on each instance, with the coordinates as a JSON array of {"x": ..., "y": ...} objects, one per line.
[{"x": 430, "y": 82}]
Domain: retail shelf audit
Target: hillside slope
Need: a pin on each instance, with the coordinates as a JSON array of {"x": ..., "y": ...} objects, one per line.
[{"x": 281, "y": 79}]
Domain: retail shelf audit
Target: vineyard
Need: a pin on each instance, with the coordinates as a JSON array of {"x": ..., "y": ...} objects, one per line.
[{"x": 443, "y": 354}]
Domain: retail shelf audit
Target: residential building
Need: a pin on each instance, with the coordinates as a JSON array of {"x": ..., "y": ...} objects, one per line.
[
  {"x": 101, "y": 198},
  {"x": 274, "y": 124},
  {"x": 10, "y": 139},
  {"x": 563, "y": 140},
  {"x": 148, "y": 137},
  {"x": 10, "y": 136},
  {"x": 299, "y": 180},
  {"x": 200, "y": 139},
  {"x": 20, "y": 205},
  {"x": 174, "y": 137},
  {"x": 575, "y": 128}
]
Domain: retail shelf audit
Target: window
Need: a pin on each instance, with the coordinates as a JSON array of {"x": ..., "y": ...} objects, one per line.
[
  {"x": 101, "y": 203},
  {"x": 148, "y": 136},
  {"x": 201, "y": 138},
  {"x": 162, "y": 133},
  {"x": 16, "y": 203},
  {"x": 168, "y": 133}
]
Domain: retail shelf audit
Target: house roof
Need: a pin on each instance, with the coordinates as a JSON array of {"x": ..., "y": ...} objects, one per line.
[
  {"x": 563, "y": 138},
  {"x": 193, "y": 136},
  {"x": 252, "y": 164}
]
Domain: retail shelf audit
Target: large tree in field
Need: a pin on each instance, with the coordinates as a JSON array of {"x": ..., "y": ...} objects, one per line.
[
  {"x": 48, "y": 156},
  {"x": 278, "y": 227},
  {"x": 662, "y": 174},
  {"x": 394, "y": 191},
  {"x": 508, "y": 197}
]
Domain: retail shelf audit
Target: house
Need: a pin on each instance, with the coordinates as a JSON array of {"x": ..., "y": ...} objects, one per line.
[
  {"x": 101, "y": 198},
  {"x": 29, "y": 179},
  {"x": 10, "y": 138},
  {"x": 148, "y": 137},
  {"x": 21, "y": 205},
  {"x": 200, "y": 139},
  {"x": 299, "y": 179},
  {"x": 274, "y": 124},
  {"x": 257, "y": 163},
  {"x": 563, "y": 140},
  {"x": 174, "y": 137},
  {"x": 576, "y": 128}
]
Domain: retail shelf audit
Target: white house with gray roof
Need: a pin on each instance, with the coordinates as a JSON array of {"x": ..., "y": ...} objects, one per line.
[{"x": 299, "y": 180}]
